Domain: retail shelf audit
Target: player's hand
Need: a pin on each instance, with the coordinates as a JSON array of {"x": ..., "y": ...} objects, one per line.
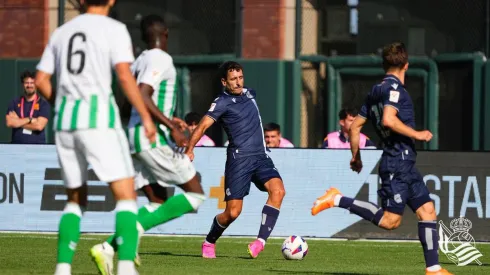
[
  {"x": 180, "y": 123},
  {"x": 356, "y": 165},
  {"x": 424, "y": 135},
  {"x": 179, "y": 138},
  {"x": 190, "y": 154},
  {"x": 150, "y": 130}
]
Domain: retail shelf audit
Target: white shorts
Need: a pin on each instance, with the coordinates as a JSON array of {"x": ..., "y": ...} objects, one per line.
[
  {"x": 106, "y": 150},
  {"x": 163, "y": 166}
]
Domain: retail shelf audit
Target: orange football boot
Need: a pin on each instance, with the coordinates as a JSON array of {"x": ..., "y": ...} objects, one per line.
[
  {"x": 442, "y": 271},
  {"x": 326, "y": 201}
]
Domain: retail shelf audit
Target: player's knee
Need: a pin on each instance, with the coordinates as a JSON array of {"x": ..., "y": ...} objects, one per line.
[
  {"x": 278, "y": 193},
  {"x": 427, "y": 212},
  {"x": 234, "y": 212},
  {"x": 195, "y": 199},
  {"x": 390, "y": 221}
]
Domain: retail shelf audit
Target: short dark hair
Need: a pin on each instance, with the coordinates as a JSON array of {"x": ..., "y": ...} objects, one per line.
[
  {"x": 394, "y": 56},
  {"x": 96, "y": 2},
  {"x": 26, "y": 74},
  {"x": 192, "y": 118},
  {"x": 146, "y": 26},
  {"x": 229, "y": 66},
  {"x": 272, "y": 127},
  {"x": 348, "y": 111}
]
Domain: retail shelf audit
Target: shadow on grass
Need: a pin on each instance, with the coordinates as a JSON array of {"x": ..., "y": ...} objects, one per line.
[
  {"x": 165, "y": 253},
  {"x": 278, "y": 271}
]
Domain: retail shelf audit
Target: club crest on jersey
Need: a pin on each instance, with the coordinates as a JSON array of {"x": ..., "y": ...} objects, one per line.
[{"x": 394, "y": 96}]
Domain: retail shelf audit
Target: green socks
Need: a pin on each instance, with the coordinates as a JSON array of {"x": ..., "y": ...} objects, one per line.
[
  {"x": 69, "y": 232},
  {"x": 126, "y": 233},
  {"x": 143, "y": 211},
  {"x": 174, "y": 207}
]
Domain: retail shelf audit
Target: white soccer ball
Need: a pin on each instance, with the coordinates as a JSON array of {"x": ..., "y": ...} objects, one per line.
[{"x": 294, "y": 248}]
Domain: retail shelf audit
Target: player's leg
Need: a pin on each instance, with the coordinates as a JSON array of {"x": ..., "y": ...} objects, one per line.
[
  {"x": 220, "y": 223},
  {"x": 267, "y": 178},
  {"x": 421, "y": 203},
  {"x": 74, "y": 173},
  {"x": 108, "y": 153},
  {"x": 167, "y": 166},
  {"x": 394, "y": 194},
  {"x": 238, "y": 176}
]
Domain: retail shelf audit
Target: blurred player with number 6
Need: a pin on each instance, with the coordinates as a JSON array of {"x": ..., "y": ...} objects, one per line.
[{"x": 82, "y": 53}]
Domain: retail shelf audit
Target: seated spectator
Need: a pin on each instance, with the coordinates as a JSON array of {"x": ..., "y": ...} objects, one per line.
[
  {"x": 28, "y": 114},
  {"x": 192, "y": 119},
  {"x": 340, "y": 139},
  {"x": 273, "y": 138}
]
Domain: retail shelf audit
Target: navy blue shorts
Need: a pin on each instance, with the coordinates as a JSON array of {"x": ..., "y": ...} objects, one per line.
[
  {"x": 401, "y": 184},
  {"x": 242, "y": 170}
]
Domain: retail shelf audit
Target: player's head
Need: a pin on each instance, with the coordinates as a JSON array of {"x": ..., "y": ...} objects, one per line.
[
  {"x": 192, "y": 119},
  {"x": 395, "y": 57},
  {"x": 272, "y": 135},
  {"x": 154, "y": 31},
  {"x": 231, "y": 73},
  {"x": 100, "y": 3},
  {"x": 27, "y": 80},
  {"x": 346, "y": 117}
]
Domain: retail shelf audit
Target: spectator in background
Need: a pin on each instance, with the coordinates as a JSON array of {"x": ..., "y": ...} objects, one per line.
[
  {"x": 192, "y": 119},
  {"x": 28, "y": 115},
  {"x": 340, "y": 139},
  {"x": 273, "y": 138}
]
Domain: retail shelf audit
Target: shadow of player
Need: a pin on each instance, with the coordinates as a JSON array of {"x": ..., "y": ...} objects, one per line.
[
  {"x": 277, "y": 271},
  {"x": 165, "y": 253}
]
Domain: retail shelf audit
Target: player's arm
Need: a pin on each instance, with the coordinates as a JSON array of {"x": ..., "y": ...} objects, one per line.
[
  {"x": 391, "y": 121},
  {"x": 128, "y": 85},
  {"x": 147, "y": 92},
  {"x": 355, "y": 137},
  {"x": 43, "y": 84},
  {"x": 201, "y": 128}
]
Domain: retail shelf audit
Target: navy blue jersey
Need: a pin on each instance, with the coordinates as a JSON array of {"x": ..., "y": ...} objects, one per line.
[
  {"x": 41, "y": 109},
  {"x": 239, "y": 115},
  {"x": 390, "y": 92}
]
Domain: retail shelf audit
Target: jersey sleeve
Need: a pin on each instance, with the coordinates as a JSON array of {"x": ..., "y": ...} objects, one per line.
[
  {"x": 152, "y": 73},
  {"x": 217, "y": 109},
  {"x": 122, "y": 48},
  {"x": 48, "y": 59},
  {"x": 393, "y": 98}
]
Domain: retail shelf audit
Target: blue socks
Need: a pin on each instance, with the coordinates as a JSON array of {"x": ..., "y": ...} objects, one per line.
[
  {"x": 215, "y": 232},
  {"x": 269, "y": 218},
  {"x": 429, "y": 238},
  {"x": 366, "y": 210}
]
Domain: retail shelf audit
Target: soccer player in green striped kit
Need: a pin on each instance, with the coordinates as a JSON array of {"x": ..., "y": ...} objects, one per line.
[
  {"x": 82, "y": 53},
  {"x": 156, "y": 163}
]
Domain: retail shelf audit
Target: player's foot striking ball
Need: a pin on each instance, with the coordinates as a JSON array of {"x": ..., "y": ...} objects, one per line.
[
  {"x": 390, "y": 109},
  {"x": 247, "y": 161}
]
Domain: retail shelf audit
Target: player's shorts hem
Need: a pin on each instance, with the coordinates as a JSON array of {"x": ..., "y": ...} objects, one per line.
[
  {"x": 117, "y": 178},
  {"x": 235, "y": 198},
  {"x": 416, "y": 203}
]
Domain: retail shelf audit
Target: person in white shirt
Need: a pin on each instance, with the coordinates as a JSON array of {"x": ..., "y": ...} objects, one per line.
[
  {"x": 157, "y": 164},
  {"x": 88, "y": 128}
]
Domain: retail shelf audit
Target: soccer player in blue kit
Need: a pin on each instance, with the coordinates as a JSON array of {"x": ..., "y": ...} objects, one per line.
[
  {"x": 247, "y": 160},
  {"x": 390, "y": 109}
]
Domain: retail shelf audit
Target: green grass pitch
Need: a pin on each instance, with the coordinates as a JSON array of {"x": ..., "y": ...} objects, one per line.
[{"x": 36, "y": 254}]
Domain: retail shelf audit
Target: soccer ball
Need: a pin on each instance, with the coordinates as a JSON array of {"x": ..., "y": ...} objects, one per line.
[{"x": 294, "y": 248}]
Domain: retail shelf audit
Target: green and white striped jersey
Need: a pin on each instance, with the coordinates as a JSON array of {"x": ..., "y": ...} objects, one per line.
[
  {"x": 82, "y": 52},
  {"x": 155, "y": 68}
]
